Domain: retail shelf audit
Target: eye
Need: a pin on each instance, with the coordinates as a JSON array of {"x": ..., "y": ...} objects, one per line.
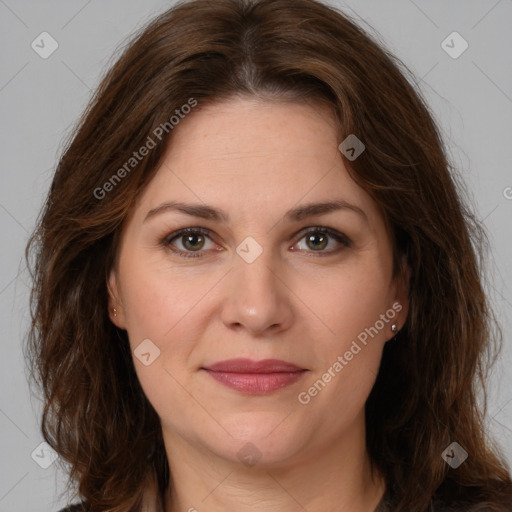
[
  {"x": 318, "y": 238},
  {"x": 193, "y": 240}
]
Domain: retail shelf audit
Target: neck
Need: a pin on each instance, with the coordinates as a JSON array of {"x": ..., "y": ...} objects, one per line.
[{"x": 323, "y": 477}]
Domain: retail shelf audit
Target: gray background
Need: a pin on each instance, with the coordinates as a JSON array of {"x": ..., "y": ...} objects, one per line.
[{"x": 41, "y": 99}]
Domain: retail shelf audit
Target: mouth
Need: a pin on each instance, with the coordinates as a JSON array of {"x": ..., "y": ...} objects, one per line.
[{"x": 255, "y": 377}]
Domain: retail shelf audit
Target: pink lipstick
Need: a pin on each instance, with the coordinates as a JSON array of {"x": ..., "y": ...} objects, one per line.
[{"x": 255, "y": 377}]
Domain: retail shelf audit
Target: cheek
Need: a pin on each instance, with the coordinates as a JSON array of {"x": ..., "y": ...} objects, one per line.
[
  {"x": 167, "y": 309},
  {"x": 343, "y": 382},
  {"x": 355, "y": 309},
  {"x": 350, "y": 300},
  {"x": 157, "y": 324},
  {"x": 145, "y": 307},
  {"x": 156, "y": 300}
]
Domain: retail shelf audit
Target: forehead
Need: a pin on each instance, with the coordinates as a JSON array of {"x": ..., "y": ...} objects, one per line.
[
  {"x": 249, "y": 155},
  {"x": 242, "y": 119}
]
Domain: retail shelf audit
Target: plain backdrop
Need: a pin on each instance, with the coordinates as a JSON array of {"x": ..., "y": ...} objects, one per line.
[{"x": 42, "y": 98}]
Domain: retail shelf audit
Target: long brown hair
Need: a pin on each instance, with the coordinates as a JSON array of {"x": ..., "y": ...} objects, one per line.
[{"x": 96, "y": 415}]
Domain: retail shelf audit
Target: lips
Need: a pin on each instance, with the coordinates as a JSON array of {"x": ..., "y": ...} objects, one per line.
[
  {"x": 255, "y": 377},
  {"x": 250, "y": 366}
]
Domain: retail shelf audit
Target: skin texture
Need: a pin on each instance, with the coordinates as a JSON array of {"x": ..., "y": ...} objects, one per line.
[{"x": 257, "y": 159}]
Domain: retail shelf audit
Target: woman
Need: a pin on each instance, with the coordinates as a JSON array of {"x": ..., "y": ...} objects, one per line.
[{"x": 256, "y": 281}]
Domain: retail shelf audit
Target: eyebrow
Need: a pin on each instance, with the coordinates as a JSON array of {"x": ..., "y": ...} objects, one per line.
[{"x": 216, "y": 214}]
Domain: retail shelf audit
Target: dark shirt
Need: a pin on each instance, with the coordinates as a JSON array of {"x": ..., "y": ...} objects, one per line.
[
  {"x": 76, "y": 508},
  {"x": 384, "y": 506}
]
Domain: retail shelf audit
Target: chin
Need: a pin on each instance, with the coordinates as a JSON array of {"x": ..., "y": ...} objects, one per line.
[{"x": 264, "y": 439}]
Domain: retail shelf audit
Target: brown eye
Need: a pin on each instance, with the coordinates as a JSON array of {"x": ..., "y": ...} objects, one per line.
[
  {"x": 317, "y": 239},
  {"x": 188, "y": 241},
  {"x": 192, "y": 242}
]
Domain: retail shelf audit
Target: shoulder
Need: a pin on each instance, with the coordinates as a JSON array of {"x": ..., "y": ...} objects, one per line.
[{"x": 501, "y": 503}]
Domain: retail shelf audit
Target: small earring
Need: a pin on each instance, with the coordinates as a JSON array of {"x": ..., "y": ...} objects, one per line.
[
  {"x": 394, "y": 328},
  {"x": 115, "y": 313}
]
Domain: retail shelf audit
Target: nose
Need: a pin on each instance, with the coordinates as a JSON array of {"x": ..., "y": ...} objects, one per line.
[{"x": 257, "y": 297}]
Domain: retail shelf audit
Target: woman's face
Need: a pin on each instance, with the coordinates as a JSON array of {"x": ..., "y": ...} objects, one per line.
[{"x": 264, "y": 278}]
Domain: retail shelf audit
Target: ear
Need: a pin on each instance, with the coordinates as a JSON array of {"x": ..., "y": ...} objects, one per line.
[
  {"x": 402, "y": 281},
  {"x": 114, "y": 301}
]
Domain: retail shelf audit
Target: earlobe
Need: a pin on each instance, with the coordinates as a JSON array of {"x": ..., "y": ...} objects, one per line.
[
  {"x": 399, "y": 309},
  {"x": 115, "y": 311},
  {"x": 402, "y": 293}
]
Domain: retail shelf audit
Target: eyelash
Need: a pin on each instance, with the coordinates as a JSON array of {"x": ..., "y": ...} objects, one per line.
[{"x": 167, "y": 241}]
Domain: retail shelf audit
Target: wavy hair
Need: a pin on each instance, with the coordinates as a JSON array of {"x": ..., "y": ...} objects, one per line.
[{"x": 96, "y": 415}]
